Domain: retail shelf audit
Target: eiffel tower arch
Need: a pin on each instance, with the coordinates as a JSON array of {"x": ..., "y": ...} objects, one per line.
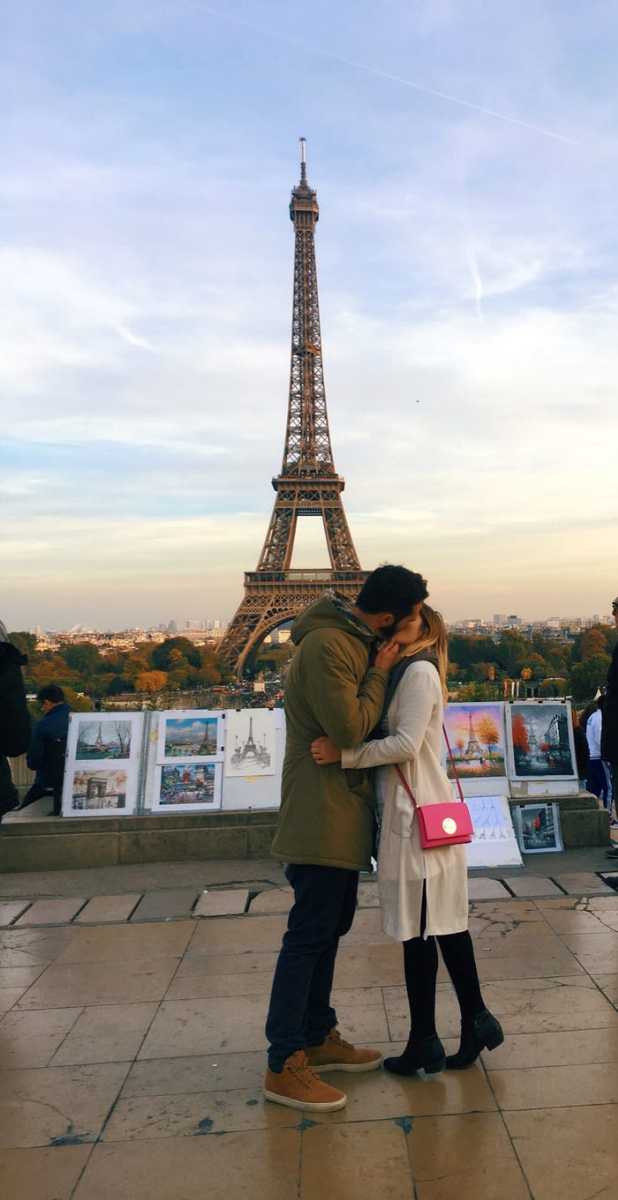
[{"x": 308, "y": 484}]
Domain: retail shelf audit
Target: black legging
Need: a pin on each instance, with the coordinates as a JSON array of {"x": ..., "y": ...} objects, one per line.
[{"x": 420, "y": 958}]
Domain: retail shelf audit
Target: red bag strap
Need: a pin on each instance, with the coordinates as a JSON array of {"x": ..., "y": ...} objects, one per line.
[
  {"x": 406, "y": 785},
  {"x": 455, "y": 771}
]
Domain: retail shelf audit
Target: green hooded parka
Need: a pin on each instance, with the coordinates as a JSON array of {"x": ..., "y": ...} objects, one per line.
[{"x": 326, "y": 816}]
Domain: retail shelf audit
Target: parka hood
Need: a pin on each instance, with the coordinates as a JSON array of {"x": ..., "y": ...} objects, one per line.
[{"x": 330, "y": 612}]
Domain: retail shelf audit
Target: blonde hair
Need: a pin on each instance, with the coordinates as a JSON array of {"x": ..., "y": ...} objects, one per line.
[{"x": 433, "y": 637}]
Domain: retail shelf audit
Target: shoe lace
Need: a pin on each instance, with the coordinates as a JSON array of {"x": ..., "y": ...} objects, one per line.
[
  {"x": 303, "y": 1072},
  {"x": 335, "y": 1036}
]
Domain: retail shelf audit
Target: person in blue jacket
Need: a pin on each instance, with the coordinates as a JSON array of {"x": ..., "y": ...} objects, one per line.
[{"x": 48, "y": 747}]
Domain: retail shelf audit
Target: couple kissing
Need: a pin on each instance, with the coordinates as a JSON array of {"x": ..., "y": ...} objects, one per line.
[{"x": 366, "y": 689}]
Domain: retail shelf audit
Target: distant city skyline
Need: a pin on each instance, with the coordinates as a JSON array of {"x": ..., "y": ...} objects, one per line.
[
  {"x": 464, "y": 161},
  {"x": 215, "y": 626}
]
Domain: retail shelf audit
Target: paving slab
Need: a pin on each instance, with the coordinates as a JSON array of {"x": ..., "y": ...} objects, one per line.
[
  {"x": 532, "y": 885},
  {"x": 164, "y": 906},
  {"x": 42, "y": 1173},
  {"x": 57, "y": 1105},
  {"x": 582, "y": 884},
  {"x": 10, "y": 911},
  {"x": 225, "y": 1168},
  {"x": 51, "y": 912},
  {"x": 104, "y": 909},
  {"x": 487, "y": 889},
  {"x": 368, "y": 895},
  {"x": 275, "y": 900},
  {"x": 223, "y": 903}
]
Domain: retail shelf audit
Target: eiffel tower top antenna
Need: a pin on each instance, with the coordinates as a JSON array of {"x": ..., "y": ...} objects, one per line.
[
  {"x": 307, "y": 449},
  {"x": 308, "y": 484}
]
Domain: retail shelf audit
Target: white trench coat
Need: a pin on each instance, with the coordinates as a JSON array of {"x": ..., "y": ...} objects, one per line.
[{"x": 414, "y": 742}]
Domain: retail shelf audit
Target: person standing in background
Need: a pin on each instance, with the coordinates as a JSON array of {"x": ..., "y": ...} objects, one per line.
[
  {"x": 597, "y": 772},
  {"x": 48, "y": 747},
  {"x": 14, "y": 718},
  {"x": 609, "y": 735}
]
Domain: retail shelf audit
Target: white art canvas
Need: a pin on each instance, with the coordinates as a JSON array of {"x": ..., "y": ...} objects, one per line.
[
  {"x": 250, "y": 743},
  {"x": 494, "y": 843},
  {"x": 244, "y": 793},
  {"x": 540, "y": 741},
  {"x": 477, "y": 739},
  {"x": 102, "y": 764}
]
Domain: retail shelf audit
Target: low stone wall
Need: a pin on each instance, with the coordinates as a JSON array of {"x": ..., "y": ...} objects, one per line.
[
  {"x": 63, "y": 844},
  {"x": 66, "y": 844}
]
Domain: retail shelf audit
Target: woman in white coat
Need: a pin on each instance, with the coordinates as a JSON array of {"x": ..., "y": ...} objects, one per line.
[{"x": 423, "y": 894}]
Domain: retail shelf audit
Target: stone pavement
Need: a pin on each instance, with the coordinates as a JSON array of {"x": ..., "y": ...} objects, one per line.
[{"x": 132, "y": 1052}]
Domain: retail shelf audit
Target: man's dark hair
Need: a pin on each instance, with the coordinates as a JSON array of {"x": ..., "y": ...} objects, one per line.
[
  {"x": 392, "y": 589},
  {"x": 51, "y": 692}
]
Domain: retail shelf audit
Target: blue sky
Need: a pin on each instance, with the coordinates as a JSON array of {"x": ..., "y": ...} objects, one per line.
[{"x": 468, "y": 266}]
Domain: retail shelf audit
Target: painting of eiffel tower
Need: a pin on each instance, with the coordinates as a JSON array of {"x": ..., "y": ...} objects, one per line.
[
  {"x": 473, "y": 749},
  {"x": 250, "y": 747}
]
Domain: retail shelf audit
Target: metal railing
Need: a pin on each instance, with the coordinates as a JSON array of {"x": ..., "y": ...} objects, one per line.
[{"x": 324, "y": 576}]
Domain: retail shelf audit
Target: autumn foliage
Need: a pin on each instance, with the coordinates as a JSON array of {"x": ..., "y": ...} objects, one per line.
[
  {"x": 521, "y": 740},
  {"x": 151, "y": 681},
  {"x": 487, "y": 732}
]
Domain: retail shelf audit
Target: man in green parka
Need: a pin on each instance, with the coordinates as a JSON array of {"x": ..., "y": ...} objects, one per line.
[{"x": 336, "y": 686}]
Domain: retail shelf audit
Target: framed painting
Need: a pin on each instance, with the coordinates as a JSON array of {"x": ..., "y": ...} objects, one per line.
[
  {"x": 191, "y": 736},
  {"x": 540, "y": 741},
  {"x": 188, "y": 787},
  {"x": 102, "y": 770},
  {"x": 538, "y": 828},
  {"x": 250, "y": 743},
  {"x": 478, "y": 742}
]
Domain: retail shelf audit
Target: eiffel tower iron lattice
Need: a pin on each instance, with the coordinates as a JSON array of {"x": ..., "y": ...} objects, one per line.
[{"x": 308, "y": 484}]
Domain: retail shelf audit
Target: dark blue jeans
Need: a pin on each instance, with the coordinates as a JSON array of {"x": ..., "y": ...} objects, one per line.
[
  {"x": 300, "y": 1012},
  {"x": 598, "y": 780}
]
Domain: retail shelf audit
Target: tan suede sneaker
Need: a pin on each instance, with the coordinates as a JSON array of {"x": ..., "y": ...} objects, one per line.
[
  {"x": 335, "y": 1054},
  {"x": 298, "y": 1086}
]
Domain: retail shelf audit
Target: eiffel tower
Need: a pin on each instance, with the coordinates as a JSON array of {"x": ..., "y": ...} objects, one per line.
[
  {"x": 473, "y": 749},
  {"x": 308, "y": 484}
]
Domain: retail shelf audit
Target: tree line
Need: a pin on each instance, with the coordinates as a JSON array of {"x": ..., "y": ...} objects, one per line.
[
  {"x": 479, "y": 666},
  {"x": 173, "y": 665},
  {"x": 478, "y": 669}
]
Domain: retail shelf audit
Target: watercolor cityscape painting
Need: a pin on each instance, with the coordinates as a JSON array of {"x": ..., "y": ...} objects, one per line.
[
  {"x": 98, "y": 790},
  {"x": 190, "y": 784},
  {"x": 103, "y": 739},
  {"x": 191, "y": 738}
]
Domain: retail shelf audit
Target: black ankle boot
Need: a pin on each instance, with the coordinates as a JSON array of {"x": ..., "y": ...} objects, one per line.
[
  {"x": 425, "y": 1055},
  {"x": 485, "y": 1033}
]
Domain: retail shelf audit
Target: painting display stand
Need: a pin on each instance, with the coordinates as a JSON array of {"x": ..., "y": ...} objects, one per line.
[
  {"x": 173, "y": 762},
  {"x": 181, "y": 764}
]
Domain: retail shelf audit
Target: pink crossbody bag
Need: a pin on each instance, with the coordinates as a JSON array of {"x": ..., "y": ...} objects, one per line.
[{"x": 448, "y": 824}]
